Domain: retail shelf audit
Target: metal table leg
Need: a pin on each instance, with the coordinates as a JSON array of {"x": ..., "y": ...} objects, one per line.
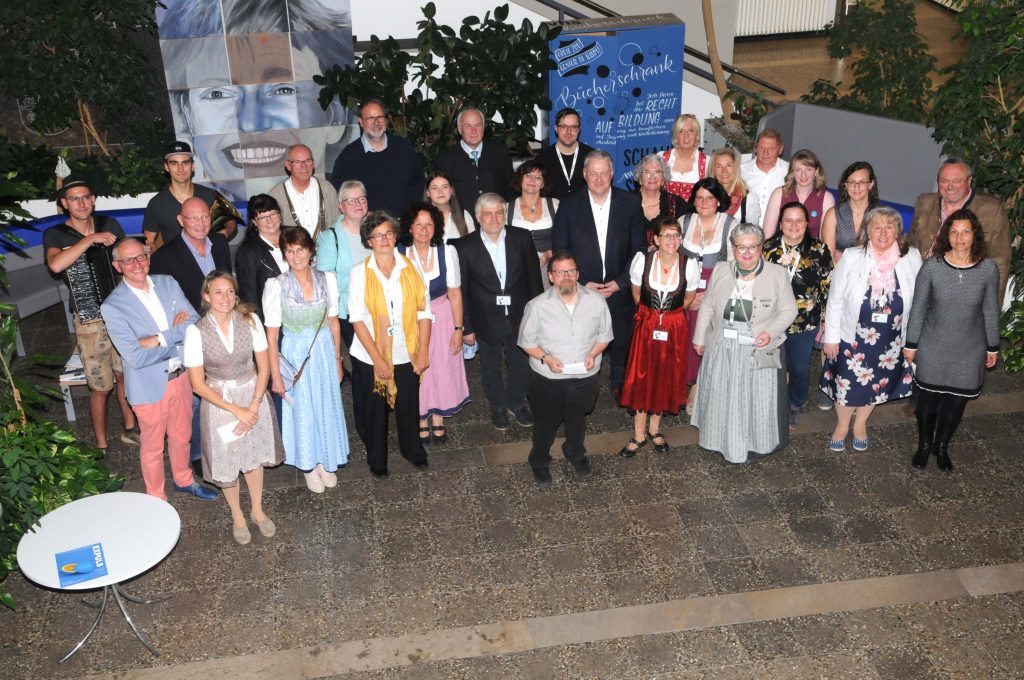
[
  {"x": 120, "y": 603},
  {"x": 119, "y": 598},
  {"x": 92, "y": 629}
]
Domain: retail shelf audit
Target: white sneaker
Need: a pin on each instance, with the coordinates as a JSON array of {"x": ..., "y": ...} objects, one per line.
[
  {"x": 329, "y": 479},
  {"x": 314, "y": 482}
]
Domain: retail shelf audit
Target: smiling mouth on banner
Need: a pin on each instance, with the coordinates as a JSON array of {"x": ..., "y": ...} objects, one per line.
[{"x": 253, "y": 156}]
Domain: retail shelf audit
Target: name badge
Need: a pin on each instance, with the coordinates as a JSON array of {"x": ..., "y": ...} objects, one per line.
[
  {"x": 393, "y": 330},
  {"x": 504, "y": 300},
  {"x": 879, "y": 317},
  {"x": 730, "y": 333},
  {"x": 702, "y": 284},
  {"x": 661, "y": 335}
]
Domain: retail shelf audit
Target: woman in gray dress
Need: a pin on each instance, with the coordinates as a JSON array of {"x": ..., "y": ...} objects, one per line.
[
  {"x": 226, "y": 357},
  {"x": 742, "y": 410},
  {"x": 955, "y": 313}
]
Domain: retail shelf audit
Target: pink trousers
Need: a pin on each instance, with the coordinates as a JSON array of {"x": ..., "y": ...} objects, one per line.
[{"x": 171, "y": 416}]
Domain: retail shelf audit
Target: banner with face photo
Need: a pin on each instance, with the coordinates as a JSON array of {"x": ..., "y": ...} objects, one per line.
[
  {"x": 625, "y": 78},
  {"x": 240, "y": 81}
]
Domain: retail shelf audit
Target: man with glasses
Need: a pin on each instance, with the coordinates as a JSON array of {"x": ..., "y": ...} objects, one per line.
[
  {"x": 306, "y": 200},
  {"x": 603, "y": 227},
  {"x": 564, "y": 331},
  {"x": 161, "y": 218},
  {"x": 563, "y": 160},
  {"x": 83, "y": 242},
  {"x": 384, "y": 162},
  {"x": 147, "y": 317},
  {"x": 955, "y": 192}
]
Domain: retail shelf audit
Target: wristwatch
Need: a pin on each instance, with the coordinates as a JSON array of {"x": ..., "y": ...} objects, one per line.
[{"x": 459, "y": 328}]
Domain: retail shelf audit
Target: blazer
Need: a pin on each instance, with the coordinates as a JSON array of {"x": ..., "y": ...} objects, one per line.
[
  {"x": 774, "y": 306},
  {"x": 127, "y": 320},
  {"x": 254, "y": 265},
  {"x": 328, "y": 195},
  {"x": 480, "y": 284},
  {"x": 850, "y": 283},
  {"x": 493, "y": 172},
  {"x": 994, "y": 222},
  {"x": 176, "y": 260},
  {"x": 574, "y": 230}
]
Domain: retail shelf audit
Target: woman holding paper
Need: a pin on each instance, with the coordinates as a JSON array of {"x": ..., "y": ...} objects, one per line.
[
  {"x": 226, "y": 357},
  {"x": 301, "y": 307}
]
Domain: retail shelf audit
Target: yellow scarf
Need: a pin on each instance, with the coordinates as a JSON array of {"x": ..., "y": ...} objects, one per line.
[{"x": 414, "y": 299}]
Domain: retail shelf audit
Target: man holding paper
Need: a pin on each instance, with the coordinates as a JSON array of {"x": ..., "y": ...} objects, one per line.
[{"x": 564, "y": 331}]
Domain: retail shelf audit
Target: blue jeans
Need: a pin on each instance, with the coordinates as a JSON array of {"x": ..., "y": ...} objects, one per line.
[{"x": 798, "y": 365}]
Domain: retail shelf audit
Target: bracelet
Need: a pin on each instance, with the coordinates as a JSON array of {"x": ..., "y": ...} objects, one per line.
[
  {"x": 459, "y": 328},
  {"x": 543, "y": 357}
]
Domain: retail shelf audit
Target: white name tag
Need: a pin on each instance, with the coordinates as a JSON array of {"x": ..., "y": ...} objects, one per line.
[
  {"x": 730, "y": 333},
  {"x": 661, "y": 335},
  {"x": 878, "y": 317},
  {"x": 702, "y": 284},
  {"x": 504, "y": 300},
  {"x": 394, "y": 330}
]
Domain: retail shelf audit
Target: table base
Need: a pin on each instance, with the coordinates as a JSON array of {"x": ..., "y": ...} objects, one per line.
[{"x": 119, "y": 598}]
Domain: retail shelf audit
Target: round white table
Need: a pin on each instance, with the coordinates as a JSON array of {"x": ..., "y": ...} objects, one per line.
[{"x": 136, "y": 531}]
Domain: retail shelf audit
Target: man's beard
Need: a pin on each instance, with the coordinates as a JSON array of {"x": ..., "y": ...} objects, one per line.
[{"x": 567, "y": 291}]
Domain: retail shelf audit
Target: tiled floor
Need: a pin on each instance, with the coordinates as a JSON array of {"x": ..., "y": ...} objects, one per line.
[{"x": 474, "y": 543}]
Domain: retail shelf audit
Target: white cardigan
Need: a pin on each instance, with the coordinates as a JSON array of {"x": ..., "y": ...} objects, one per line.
[{"x": 850, "y": 283}]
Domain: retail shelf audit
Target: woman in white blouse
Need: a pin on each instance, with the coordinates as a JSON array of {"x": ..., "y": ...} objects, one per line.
[
  {"x": 389, "y": 308},
  {"x": 534, "y": 210},
  {"x": 441, "y": 193},
  {"x": 226, "y": 358},
  {"x": 443, "y": 389}
]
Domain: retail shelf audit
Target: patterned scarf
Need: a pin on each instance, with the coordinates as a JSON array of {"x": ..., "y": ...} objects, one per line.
[
  {"x": 882, "y": 274},
  {"x": 413, "y": 301}
]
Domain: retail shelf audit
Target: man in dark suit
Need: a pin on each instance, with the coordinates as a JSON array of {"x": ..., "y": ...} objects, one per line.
[
  {"x": 603, "y": 227},
  {"x": 193, "y": 253},
  {"x": 499, "y": 276},
  {"x": 563, "y": 160},
  {"x": 476, "y": 165}
]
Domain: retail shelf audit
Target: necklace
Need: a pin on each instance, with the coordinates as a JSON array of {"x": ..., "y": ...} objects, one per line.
[{"x": 532, "y": 208}]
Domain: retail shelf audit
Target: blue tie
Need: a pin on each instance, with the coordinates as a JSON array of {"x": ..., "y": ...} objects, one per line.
[{"x": 475, "y": 155}]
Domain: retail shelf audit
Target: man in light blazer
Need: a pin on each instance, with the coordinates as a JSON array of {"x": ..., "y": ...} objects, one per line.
[
  {"x": 500, "y": 275},
  {"x": 603, "y": 228},
  {"x": 146, "y": 318}
]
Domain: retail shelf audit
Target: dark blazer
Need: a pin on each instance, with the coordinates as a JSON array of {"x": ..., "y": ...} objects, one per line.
[
  {"x": 559, "y": 188},
  {"x": 574, "y": 230},
  {"x": 480, "y": 285},
  {"x": 494, "y": 172},
  {"x": 176, "y": 260},
  {"x": 254, "y": 266}
]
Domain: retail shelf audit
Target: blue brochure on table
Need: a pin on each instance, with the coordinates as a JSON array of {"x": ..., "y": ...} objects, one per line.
[{"x": 81, "y": 564}]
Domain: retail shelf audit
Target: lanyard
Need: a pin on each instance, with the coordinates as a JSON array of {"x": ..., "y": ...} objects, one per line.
[
  {"x": 561, "y": 163},
  {"x": 795, "y": 255},
  {"x": 737, "y": 285}
]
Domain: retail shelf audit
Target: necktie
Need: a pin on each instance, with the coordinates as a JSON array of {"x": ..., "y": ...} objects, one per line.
[{"x": 475, "y": 155}]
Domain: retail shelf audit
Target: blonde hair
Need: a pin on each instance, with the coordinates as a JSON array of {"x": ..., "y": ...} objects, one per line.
[
  {"x": 737, "y": 182},
  {"x": 677, "y": 125},
  {"x": 807, "y": 157},
  {"x": 245, "y": 309}
]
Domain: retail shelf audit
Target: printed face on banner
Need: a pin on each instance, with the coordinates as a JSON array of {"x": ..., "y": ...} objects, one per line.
[
  {"x": 240, "y": 81},
  {"x": 626, "y": 85}
]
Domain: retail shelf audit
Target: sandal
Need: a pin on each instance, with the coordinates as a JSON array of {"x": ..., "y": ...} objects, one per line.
[
  {"x": 441, "y": 438},
  {"x": 663, "y": 446},
  {"x": 627, "y": 452},
  {"x": 424, "y": 440}
]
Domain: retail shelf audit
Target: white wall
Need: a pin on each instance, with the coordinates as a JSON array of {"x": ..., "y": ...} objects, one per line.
[{"x": 398, "y": 18}]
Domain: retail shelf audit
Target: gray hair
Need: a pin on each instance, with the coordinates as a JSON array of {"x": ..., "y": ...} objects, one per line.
[
  {"x": 883, "y": 212},
  {"x": 597, "y": 154},
  {"x": 349, "y": 185},
  {"x": 745, "y": 229},
  {"x": 463, "y": 112},
  {"x": 956, "y": 160},
  {"x": 656, "y": 158},
  {"x": 486, "y": 201},
  {"x": 130, "y": 239}
]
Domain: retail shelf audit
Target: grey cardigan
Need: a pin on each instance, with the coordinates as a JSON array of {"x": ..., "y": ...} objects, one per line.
[{"x": 774, "y": 306}]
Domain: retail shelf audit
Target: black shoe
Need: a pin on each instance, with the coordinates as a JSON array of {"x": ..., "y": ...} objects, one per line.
[
  {"x": 438, "y": 438},
  {"x": 542, "y": 476},
  {"x": 654, "y": 437},
  {"x": 379, "y": 474},
  {"x": 425, "y": 440},
  {"x": 583, "y": 469},
  {"x": 626, "y": 452},
  {"x": 422, "y": 465},
  {"x": 925, "y": 440},
  {"x": 500, "y": 421},
  {"x": 944, "y": 430},
  {"x": 522, "y": 415},
  {"x": 920, "y": 459}
]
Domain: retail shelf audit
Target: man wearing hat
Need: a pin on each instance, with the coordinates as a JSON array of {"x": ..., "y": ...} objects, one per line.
[
  {"x": 76, "y": 249},
  {"x": 161, "y": 218}
]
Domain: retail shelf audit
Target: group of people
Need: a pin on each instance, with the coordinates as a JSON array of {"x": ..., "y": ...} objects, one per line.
[{"x": 707, "y": 289}]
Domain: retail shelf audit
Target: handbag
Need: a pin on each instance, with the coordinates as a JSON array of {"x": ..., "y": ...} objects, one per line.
[{"x": 290, "y": 375}]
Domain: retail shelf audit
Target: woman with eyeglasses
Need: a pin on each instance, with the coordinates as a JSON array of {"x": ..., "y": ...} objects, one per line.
[
  {"x": 651, "y": 175},
  {"x": 664, "y": 283},
  {"x": 534, "y": 210},
  {"x": 260, "y": 257},
  {"x": 441, "y": 193},
  {"x": 805, "y": 182},
  {"x": 742, "y": 410},
  {"x": 686, "y": 162},
  {"x": 301, "y": 308},
  {"x": 389, "y": 307},
  {"x": 858, "y": 193}
]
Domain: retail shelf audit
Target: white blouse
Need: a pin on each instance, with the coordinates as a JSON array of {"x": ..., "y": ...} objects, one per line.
[
  {"x": 453, "y": 279},
  {"x": 546, "y": 220},
  {"x": 693, "y": 175},
  {"x": 272, "y": 300},
  {"x": 194, "y": 341},
  {"x": 636, "y": 272},
  {"x": 452, "y": 232},
  {"x": 392, "y": 286}
]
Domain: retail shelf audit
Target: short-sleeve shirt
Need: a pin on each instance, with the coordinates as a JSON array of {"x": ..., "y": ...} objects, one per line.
[
  {"x": 63, "y": 236},
  {"x": 161, "y": 214},
  {"x": 194, "y": 340}
]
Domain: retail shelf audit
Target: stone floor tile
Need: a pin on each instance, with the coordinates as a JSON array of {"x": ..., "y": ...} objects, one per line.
[
  {"x": 765, "y": 640},
  {"x": 685, "y": 580},
  {"x": 736, "y": 575},
  {"x": 767, "y": 537},
  {"x": 723, "y": 542},
  {"x": 815, "y": 532},
  {"x": 654, "y": 518},
  {"x": 665, "y": 550},
  {"x": 628, "y": 588},
  {"x": 900, "y": 663}
]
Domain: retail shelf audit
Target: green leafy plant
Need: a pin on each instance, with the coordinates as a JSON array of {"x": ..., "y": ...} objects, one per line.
[
  {"x": 891, "y": 63},
  {"x": 487, "y": 63}
]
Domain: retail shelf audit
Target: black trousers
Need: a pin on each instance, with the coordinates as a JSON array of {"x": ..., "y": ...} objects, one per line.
[
  {"x": 373, "y": 429},
  {"x": 618, "y": 351},
  {"x": 500, "y": 393},
  {"x": 555, "y": 402}
]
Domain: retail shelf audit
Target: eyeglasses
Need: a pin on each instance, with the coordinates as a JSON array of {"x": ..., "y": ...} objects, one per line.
[
  {"x": 651, "y": 173},
  {"x": 747, "y": 250},
  {"x": 268, "y": 216},
  {"x": 570, "y": 128},
  {"x": 858, "y": 185},
  {"x": 671, "y": 235},
  {"x": 197, "y": 219},
  {"x": 358, "y": 200},
  {"x": 79, "y": 199},
  {"x": 563, "y": 273},
  {"x": 952, "y": 182},
  {"x": 374, "y": 119},
  {"x": 139, "y": 259},
  {"x": 536, "y": 177},
  {"x": 382, "y": 236},
  {"x": 301, "y": 161},
  {"x": 704, "y": 199}
]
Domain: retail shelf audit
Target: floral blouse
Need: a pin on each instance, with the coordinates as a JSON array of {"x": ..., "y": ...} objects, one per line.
[{"x": 809, "y": 275}]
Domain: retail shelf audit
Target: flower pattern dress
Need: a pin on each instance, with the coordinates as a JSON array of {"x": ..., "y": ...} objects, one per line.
[{"x": 871, "y": 370}]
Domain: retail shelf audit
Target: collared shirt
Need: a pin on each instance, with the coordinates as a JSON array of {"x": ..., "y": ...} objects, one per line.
[
  {"x": 479, "y": 148},
  {"x": 368, "y": 148},
  {"x": 151, "y": 302},
  {"x": 392, "y": 286},
  {"x": 761, "y": 183},
  {"x": 601, "y": 224},
  {"x": 205, "y": 262},
  {"x": 306, "y": 204},
  {"x": 568, "y": 335},
  {"x": 277, "y": 254},
  {"x": 496, "y": 249}
]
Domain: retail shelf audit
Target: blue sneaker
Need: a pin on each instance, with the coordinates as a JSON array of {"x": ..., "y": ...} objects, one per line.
[{"x": 203, "y": 493}]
